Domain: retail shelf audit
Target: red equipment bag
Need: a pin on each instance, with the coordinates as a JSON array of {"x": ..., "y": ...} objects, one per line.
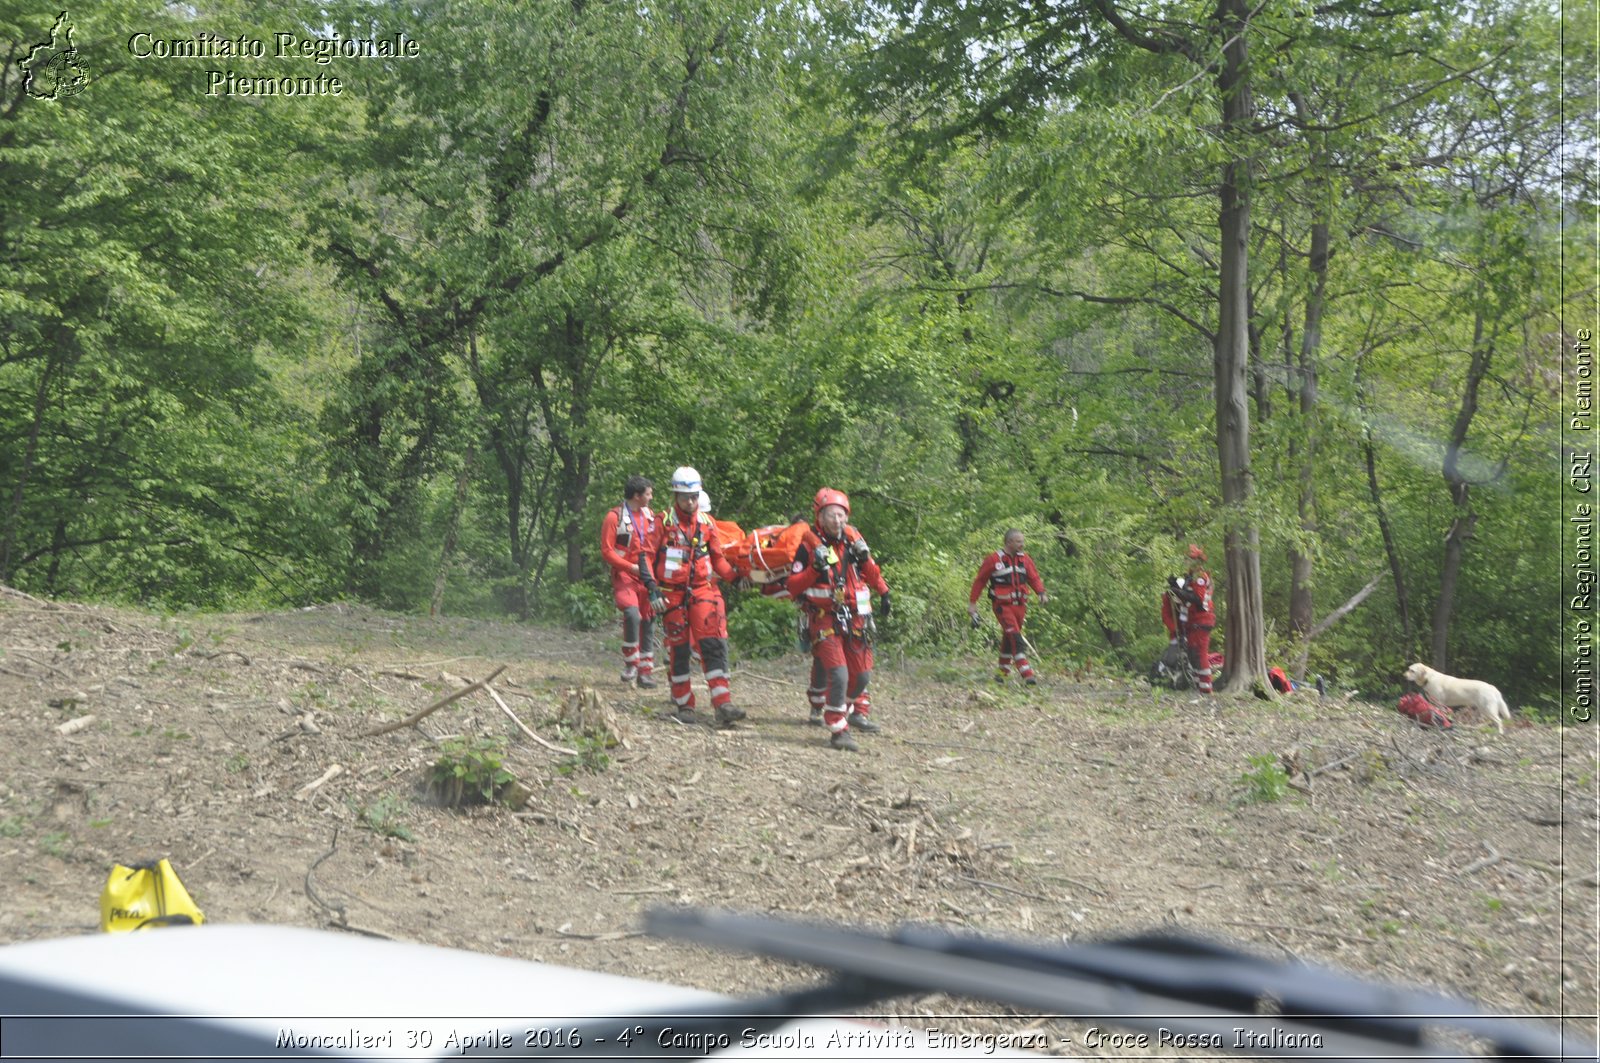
[
  {"x": 1425, "y": 712},
  {"x": 1280, "y": 681}
]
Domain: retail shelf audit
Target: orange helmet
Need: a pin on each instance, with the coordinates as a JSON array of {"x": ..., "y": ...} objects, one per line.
[
  {"x": 829, "y": 497},
  {"x": 1195, "y": 553}
]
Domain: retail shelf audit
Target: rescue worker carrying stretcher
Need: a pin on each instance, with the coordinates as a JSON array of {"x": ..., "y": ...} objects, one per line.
[
  {"x": 678, "y": 572},
  {"x": 832, "y": 578}
]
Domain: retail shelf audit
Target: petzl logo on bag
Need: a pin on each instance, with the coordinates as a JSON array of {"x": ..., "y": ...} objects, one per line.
[{"x": 146, "y": 895}]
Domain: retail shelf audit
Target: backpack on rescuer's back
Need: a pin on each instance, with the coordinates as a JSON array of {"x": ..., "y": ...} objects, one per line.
[{"x": 1425, "y": 712}]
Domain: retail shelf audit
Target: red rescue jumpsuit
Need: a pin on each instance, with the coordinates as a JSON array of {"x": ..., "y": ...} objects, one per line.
[
  {"x": 838, "y": 610},
  {"x": 624, "y": 534},
  {"x": 1008, "y": 577},
  {"x": 1188, "y": 616},
  {"x": 682, "y": 561}
]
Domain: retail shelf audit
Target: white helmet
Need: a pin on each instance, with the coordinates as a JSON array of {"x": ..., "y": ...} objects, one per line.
[
  {"x": 705, "y": 502},
  {"x": 685, "y": 478}
]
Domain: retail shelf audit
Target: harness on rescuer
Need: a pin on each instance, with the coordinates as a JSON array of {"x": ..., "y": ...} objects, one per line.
[{"x": 833, "y": 567}]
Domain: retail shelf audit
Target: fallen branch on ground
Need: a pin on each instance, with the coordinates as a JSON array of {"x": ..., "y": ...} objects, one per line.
[
  {"x": 435, "y": 707},
  {"x": 310, "y": 787},
  {"x": 563, "y": 750}
]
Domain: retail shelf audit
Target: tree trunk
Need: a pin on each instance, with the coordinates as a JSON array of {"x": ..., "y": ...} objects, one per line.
[
  {"x": 576, "y": 456},
  {"x": 1461, "y": 528},
  {"x": 58, "y": 546},
  {"x": 1300, "y": 601},
  {"x": 1385, "y": 528},
  {"x": 41, "y": 398},
  {"x": 1243, "y": 629},
  {"x": 452, "y": 530}
]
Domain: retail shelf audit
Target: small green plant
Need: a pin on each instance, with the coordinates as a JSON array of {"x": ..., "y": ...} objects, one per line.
[
  {"x": 1266, "y": 781},
  {"x": 56, "y": 843},
  {"x": 12, "y": 827},
  {"x": 586, "y": 609},
  {"x": 470, "y": 771},
  {"x": 382, "y": 817},
  {"x": 591, "y": 755},
  {"x": 237, "y": 763}
]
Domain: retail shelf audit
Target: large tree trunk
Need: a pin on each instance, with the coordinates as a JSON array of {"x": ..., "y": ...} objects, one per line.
[
  {"x": 1243, "y": 629},
  {"x": 1462, "y": 526}
]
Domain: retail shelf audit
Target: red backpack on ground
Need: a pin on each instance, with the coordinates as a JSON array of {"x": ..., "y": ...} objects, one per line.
[{"x": 1425, "y": 712}]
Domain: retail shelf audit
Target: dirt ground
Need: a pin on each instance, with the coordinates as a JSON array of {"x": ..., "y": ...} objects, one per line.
[{"x": 1078, "y": 810}]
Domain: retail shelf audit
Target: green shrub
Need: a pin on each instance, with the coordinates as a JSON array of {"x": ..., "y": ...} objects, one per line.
[
  {"x": 591, "y": 756},
  {"x": 469, "y": 771},
  {"x": 759, "y": 626},
  {"x": 382, "y": 817},
  {"x": 1267, "y": 781}
]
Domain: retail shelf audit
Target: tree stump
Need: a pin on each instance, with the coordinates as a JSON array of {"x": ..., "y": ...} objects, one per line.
[{"x": 585, "y": 712}]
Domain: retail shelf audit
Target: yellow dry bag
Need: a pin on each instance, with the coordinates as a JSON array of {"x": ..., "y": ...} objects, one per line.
[{"x": 146, "y": 895}]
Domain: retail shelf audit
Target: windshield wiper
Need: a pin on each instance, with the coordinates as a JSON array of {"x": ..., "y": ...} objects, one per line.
[{"x": 1176, "y": 986}]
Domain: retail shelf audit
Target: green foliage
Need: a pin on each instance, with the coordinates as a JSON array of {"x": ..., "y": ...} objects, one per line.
[
  {"x": 1266, "y": 781},
  {"x": 761, "y": 627},
  {"x": 586, "y": 605},
  {"x": 591, "y": 757},
  {"x": 416, "y": 337},
  {"x": 383, "y": 814},
  {"x": 469, "y": 771}
]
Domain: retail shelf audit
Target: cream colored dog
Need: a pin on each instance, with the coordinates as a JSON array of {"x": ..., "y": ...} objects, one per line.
[{"x": 1480, "y": 698}]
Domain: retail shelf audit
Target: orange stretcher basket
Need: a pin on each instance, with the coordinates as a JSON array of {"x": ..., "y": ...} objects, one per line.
[{"x": 766, "y": 553}]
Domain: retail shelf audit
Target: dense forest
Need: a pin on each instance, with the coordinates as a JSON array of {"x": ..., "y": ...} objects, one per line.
[{"x": 390, "y": 310}]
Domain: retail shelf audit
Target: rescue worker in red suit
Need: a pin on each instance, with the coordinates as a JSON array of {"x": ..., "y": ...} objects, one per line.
[
  {"x": 627, "y": 530},
  {"x": 1008, "y": 573},
  {"x": 678, "y": 571},
  {"x": 833, "y": 577},
  {"x": 1186, "y": 611}
]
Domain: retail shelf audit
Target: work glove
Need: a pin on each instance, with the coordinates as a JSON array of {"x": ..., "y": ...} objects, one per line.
[
  {"x": 883, "y": 604},
  {"x": 976, "y": 623},
  {"x": 819, "y": 559},
  {"x": 858, "y": 551},
  {"x": 658, "y": 601},
  {"x": 743, "y": 583}
]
